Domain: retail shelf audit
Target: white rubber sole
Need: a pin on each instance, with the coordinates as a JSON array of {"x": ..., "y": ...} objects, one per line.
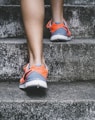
[
  {"x": 34, "y": 83},
  {"x": 60, "y": 38}
]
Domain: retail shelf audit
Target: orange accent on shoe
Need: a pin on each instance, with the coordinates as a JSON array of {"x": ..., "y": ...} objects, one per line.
[
  {"x": 53, "y": 27},
  {"x": 22, "y": 81},
  {"x": 25, "y": 69},
  {"x": 39, "y": 69}
]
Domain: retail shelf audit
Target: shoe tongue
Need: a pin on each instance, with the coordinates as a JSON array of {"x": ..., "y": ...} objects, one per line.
[
  {"x": 57, "y": 22},
  {"x": 38, "y": 65}
]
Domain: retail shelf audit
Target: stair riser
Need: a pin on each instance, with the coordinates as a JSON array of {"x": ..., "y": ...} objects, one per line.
[
  {"x": 47, "y": 110},
  {"x": 12, "y": 2},
  {"x": 80, "y": 19},
  {"x": 66, "y": 62}
]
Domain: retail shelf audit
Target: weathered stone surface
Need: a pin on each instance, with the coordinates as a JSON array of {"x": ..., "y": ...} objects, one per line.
[
  {"x": 74, "y": 101},
  {"x": 9, "y": 2},
  {"x": 10, "y": 22},
  {"x": 80, "y": 2},
  {"x": 81, "y": 20},
  {"x": 72, "y": 61}
]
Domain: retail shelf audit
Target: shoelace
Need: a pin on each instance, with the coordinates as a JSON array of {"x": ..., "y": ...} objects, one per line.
[{"x": 53, "y": 27}]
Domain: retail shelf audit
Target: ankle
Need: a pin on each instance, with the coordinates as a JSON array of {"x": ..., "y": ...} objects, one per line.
[
  {"x": 38, "y": 63},
  {"x": 57, "y": 20},
  {"x": 33, "y": 61}
]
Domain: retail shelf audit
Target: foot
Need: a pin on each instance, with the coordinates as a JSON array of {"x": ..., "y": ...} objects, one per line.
[
  {"x": 59, "y": 31},
  {"x": 34, "y": 77}
]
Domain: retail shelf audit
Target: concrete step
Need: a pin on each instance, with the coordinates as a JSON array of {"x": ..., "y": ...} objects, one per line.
[
  {"x": 72, "y": 101},
  {"x": 81, "y": 19},
  {"x": 74, "y": 2},
  {"x": 69, "y": 61}
]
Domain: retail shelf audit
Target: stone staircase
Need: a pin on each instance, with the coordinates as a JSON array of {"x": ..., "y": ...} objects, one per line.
[{"x": 71, "y": 92}]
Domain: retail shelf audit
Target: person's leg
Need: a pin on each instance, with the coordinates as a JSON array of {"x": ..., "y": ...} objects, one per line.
[
  {"x": 57, "y": 10},
  {"x": 33, "y": 16},
  {"x": 58, "y": 26},
  {"x": 35, "y": 72}
]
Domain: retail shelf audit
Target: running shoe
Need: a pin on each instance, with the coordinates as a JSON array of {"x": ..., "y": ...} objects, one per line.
[
  {"x": 59, "y": 31},
  {"x": 36, "y": 76}
]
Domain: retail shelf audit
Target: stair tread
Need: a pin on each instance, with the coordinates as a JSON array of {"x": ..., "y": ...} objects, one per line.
[
  {"x": 56, "y": 92},
  {"x": 69, "y": 5},
  {"x": 46, "y": 41}
]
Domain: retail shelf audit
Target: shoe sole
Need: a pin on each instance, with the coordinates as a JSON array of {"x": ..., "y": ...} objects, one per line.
[
  {"x": 34, "y": 83},
  {"x": 60, "y": 38}
]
